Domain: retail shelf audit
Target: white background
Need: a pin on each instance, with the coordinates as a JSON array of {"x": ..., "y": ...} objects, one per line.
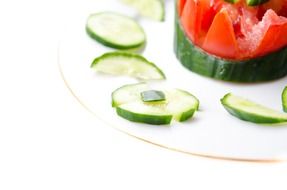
[{"x": 49, "y": 141}]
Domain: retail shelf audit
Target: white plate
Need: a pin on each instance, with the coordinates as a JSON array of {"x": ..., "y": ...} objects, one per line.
[{"x": 212, "y": 132}]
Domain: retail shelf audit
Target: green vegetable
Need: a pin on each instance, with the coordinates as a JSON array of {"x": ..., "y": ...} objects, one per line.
[
  {"x": 249, "y": 111},
  {"x": 232, "y": 1},
  {"x": 256, "y": 2},
  {"x": 152, "y": 96},
  {"x": 153, "y": 9},
  {"x": 284, "y": 99},
  {"x": 115, "y": 30},
  {"x": 179, "y": 105},
  {"x": 130, "y": 64}
]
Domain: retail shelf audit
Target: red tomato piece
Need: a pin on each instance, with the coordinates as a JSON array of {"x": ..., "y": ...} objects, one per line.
[
  {"x": 274, "y": 33},
  {"x": 209, "y": 10},
  {"x": 220, "y": 39},
  {"x": 180, "y": 5},
  {"x": 189, "y": 19},
  {"x": 197, "y": 16}
]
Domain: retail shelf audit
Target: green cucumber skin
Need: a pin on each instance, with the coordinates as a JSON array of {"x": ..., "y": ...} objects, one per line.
[
  {"x": 231, "y": 1},
  {"x": 265, "y": 68},
  {"x": 162, "y": 18},
  {"x": 250, "y": 116},
  {"x": 249, "y": 2},
  {"x": 186, "y": 115},
  {"x": 143, "y": 118},
  {"x": 256, "y": 2},
  {"x": 128, "y": 55},
  {"x": 284, "y": 99},
  {"x": 112, "y": 45},
  {"x": 189, "y": 113}
]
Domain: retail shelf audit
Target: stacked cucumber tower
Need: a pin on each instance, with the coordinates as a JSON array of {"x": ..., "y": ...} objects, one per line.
[{"x": 242, "y": 41}]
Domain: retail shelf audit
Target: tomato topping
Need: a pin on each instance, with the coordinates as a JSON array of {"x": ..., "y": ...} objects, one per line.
[
  {"x": 190, "y": 19},
  {"x": 196, "y": 18},
  {"x": 235, "y": 31},
  {"x": 274, "y": 33},
  {"x": 181, "y": 4},
  {"x": 225, "y": 44}
]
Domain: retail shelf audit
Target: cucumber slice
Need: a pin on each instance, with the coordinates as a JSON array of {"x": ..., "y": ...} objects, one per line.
[
  {"x": 178, "y": 104},
  {"x": 153, "y": 9},
  {"x": 250, "y": 111},
  {"x": 115, "y": 30},
  {"x": 284, "y": 99},
  {"x": 256, "y": 2},
  {"x": 130, "y": 64},
  {"x": 265, "y": 68}
]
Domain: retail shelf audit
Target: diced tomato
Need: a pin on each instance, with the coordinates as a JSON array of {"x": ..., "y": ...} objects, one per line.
[
  {"x": 276, "y": 5},
  {"x": 197, "y": 16},
  {"x": 225, "y": 44},
  {"x": 209, "y": 10},
  {"x": 248, "y": 20},
  {"x": 274, "y": 33},
  {"x": 283, "y": 10},
  {"x": 279, "y": 6},
  {"x": 189, "y": 19},
  {"x": 180, "y": 5}
]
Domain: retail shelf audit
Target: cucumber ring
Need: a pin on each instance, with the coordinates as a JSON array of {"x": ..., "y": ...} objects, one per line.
[{"x": 265, "y": 68}]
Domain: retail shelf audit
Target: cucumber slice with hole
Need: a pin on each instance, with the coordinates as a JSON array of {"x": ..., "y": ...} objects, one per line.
[
  {"x": 249, "y": 111},
  {"x": 284, "y": 99},
  {"x": 153, "y": 9},
  {"x": 115, "y": 30},
  {"x": 178, "y": 105},
  {"x": 265, "y": 68},
  {"x": 130, "y": 64}
]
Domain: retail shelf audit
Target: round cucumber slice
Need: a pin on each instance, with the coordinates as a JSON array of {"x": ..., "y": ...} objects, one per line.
[
  {"x": 178, "y": 105},
  {"x": 284, "y": 99},
  {"x": 265, "y": 68},
  {"x": 115, "y": 30},
  {"x": 130, "y": 64},
  {"x": 249, "y": 111},
  {"x": 153, "y": 9}
]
